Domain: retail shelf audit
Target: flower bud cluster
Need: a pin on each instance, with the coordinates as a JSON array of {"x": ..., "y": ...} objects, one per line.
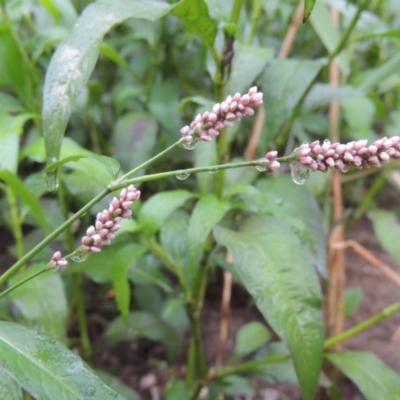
[
  {"x": 57, "y": 260},
  {"x": 107, "y": 221},
  {"x": 359, "y": 154},
  {"x": 205, "y": 127},
  {"x": 272, "y": 164}
]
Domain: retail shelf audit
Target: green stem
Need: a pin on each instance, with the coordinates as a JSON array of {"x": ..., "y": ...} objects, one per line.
[
  {"x": 284, "y": 131},
  {"x": 119, "y": 185},
  {"x": 22, "y": 281},
  {"x": 15, "y": 221},
  {"x": 361, "y": 327},
  {"x": 235, "y": 13},
  {"x": 82, "y": 322},
  {"x": 148, "y": 162},
  {"x": 255, "y": 15},
  {"x": 22, "y": 261}
]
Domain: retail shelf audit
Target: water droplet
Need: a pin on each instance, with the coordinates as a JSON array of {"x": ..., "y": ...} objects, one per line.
[
  {"x": 182, "y": 175},
  {"x": 261, "y": 168},
  {"x": 299, "y": 172},
  {"x": 327, "y": 141},
  {"x": 90, "y": 391},
  {"x": 345, "y": 169},
  {"x": 79, "y": 256},
  {"x": 54, "y": 159},
  {"x": 191, "y": 145},
  {"x": 212, "y": 170}
]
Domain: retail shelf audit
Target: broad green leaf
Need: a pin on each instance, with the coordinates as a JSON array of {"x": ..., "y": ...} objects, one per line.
[
  {"x": 9, "y": 389},
  {"x": 353, "y": 107},
  {"x": 10, "y": 129},
  {"x": 387, "y": 230},
  {"x": 250, "y": 337},
  {"x": 308, "y": 7},
  {"x": 377, "y": 75},
  {"x": 149, "y": 298},
  {"x": 174, "y": 312},
  {"x": 46, "y": 369},
  {"x": 233, "y": 385},
  {"x": 291, "y": 200},
  {"x": 109, "y": 163},
  {"x": 207, "y": 212},
  {"x": 134, "y": 136},
  {"x": 205, "y": 154},
  {"x": 143, "y": 324},
  {"x": 196, "y": 19},
  {"x": 159, "y": 207},
  {"x": 352, "y": 300},
  {"x": 284, "y": 83},
  {"x": 99, "y": 266},
  {"x": 26, "y": 196},
  {"x": 9, "y": 104},
  {"x": 74, "y": 61},
  {"x": 120, "y": 265},
  {"x": 41, "y": 301},
  {"x": 176, "y": 389},
  {"x": 277, "y": 271},
  {"x": 173, "y": 236},
  {"x": 372, "y": 376},
  {"x": 248, "y": 62},
  {"x": 117, "y": 385}
]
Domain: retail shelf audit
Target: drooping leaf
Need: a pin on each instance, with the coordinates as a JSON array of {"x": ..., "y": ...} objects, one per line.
[
  {"x": 372, "y": 376},
  {"x": 387, "y": 230},
  {"x": 45, "y": 368},
  {"x": 135, "y": 136},
  {"x": 277, "y": 271},
  {"x": 74, "y": 60},
  {"x": 285, "y": 81},
  {"x": 285, "y": 198},
  {"x": 159, "y": 207},
  {"x": 248, "y": 62},
  {"x": 143, "y": 324},
  {"x": 117, "y": 385},
  {"x": 41, "y": 301},
  {"x": 250, "y": 337},
  {"x": 196, "y": 19},
  {"x": 352, "y": 300},
  {"x": 26, "y": 196},
  {"x": 207, "y": 212}
]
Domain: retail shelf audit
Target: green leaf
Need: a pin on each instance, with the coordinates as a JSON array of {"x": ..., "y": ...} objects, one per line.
[
  {"x": 26, "y": 195},
  {"x": 10, "y": 129},
  {"x": 196, "y": 19},
  {"x": 277, "y": 271},
  {"x": 109, "y": 52},
  {"x": 117, "y": 385},
  {"x": 41, "y": 301},
  {"x": 387, "y": 230},
  {"x": 293, "y": 201},
  {"x": 159, "y": 207},
  {"x": 205, "y": 154},
  {"x": 109, "y": 163},
  {"x": 207, "y": 212},
  {"x": 372, "y": 376},
  {"x": 284, "y": 83},
  {"x": 120, "y": 265},
  {"x": 74, "y": 61},
  {"x": 9, "y": 104},
  {"x": 233, "y": 385},
  {"x": 352, "y": 300},
  {"x": 250, "y": 337},
  {"x": 377, "y": 75},
  {"x": 176, "y": 389},
  {"x": 135, "y": 135},
  {"x": 308, "y": 7},
  {"x": 248, "y": 62},
  {"x": 143, "y": 324},
  {"x": 45, "y": 368},
  {"x": 9, "y": 389}
]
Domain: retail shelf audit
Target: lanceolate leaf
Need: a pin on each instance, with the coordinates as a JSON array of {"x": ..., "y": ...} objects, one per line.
[
  {"x": 74, "y": 60},
  {"x": 196, "y": 19},
  {"x": 9, "y": 389},
  {"x": 308, "y": 7},
  {"x": 372, "y": 376},
  {"x": 207, "y": 213},
  {"x": 277, "y": 271},
  {"x": 46, "y": 369}
]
